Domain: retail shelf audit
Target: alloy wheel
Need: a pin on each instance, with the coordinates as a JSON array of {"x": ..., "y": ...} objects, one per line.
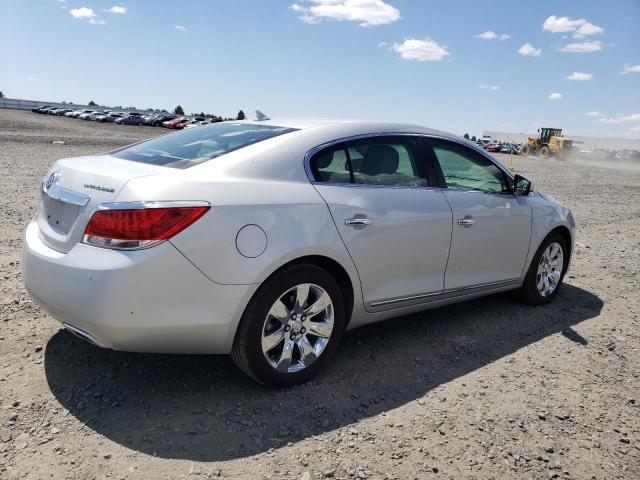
[
  {"x": 549, "y": 269},
  {"x": 297, "y": 328}
]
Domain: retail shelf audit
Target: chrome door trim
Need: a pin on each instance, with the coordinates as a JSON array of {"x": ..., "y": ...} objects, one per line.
[
  {"x": 447, "y": 294},
  {"x": 404, "y": 299}
]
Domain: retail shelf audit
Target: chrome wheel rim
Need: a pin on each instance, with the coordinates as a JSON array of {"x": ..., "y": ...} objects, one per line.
[
  {"x": 549, "y": 269},
  {"x": 297, "y": 328}
]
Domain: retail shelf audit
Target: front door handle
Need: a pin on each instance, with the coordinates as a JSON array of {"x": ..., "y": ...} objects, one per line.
[
  {"x": 467, "y": 221},
  {"x": 355, "y": 221}
]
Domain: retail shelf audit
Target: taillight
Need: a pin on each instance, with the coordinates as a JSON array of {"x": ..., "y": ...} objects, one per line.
[{"x": 136, "y": 228}]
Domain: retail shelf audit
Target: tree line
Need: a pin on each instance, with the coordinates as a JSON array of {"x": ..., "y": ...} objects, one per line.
[{"x": 472, "y": 138}]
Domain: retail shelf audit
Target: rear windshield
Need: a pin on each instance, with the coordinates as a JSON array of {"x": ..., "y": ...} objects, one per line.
[{"x": 196, "y": 145}]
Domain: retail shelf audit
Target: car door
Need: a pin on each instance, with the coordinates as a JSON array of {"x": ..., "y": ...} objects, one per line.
[
  {"x": 394, "y": 221},
  {"x": 491, "y": 225}
]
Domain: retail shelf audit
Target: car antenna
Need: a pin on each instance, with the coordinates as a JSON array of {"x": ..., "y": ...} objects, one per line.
[{"x": 261, "y": 117}]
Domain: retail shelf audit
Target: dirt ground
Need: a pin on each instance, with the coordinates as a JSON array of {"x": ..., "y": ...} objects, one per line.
[{"x": 490, "y": 388}]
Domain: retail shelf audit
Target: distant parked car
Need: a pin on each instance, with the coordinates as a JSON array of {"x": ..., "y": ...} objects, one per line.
[
  {"x": 157, "y": 120},
  {"x": 176, "y": 124},
  {"x": 63, "y": 111},
  {"x": 196, "y": 122},
  {"x": 83, "y": 112},
  {"x": 110, "y": 118},
  {"x": 93, "y": 115},
  {"x": 510, "y": 149},
  {"x": 493, "y": 148},
  {"x": 39, "y": 108},
  {"x": 85, "y": 115},
  {"x": 130, "y": 119}
]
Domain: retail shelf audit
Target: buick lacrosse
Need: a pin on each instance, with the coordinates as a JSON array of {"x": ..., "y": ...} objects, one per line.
[{"x": 267, "y": 239}]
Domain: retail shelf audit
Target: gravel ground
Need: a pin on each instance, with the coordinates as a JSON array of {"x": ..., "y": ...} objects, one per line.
[{"x": 486, "y": 389}]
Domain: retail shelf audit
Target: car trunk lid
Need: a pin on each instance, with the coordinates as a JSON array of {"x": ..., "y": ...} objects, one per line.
[{"x": 73, "y": 189}]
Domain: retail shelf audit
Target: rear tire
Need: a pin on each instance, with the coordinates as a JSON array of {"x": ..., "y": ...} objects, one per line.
[
  {"x": 536, "y": 290},
  {"x": 291, "y": 328}
]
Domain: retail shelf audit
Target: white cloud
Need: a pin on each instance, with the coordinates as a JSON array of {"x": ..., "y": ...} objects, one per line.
[
  {"x": 593, "y": 114},
  {"x": 180, "y": 28},
  {"x": 580, "y": 76},
  {"x": 584, "y": 47},
  {"x": 82, "y": 12},
  {"x": 634, "y": 117},
  {"x": 588, "y": 29},
  {"x": 561, "y": 24},
  {"x": 529, "y": 50},
  {"x": 491, "y": 35},
  {"x": 96, "y": 21},
  {"x": 489, "y": 87},
  {"x": 555, "y": 96},
  {"x": 369, "y": 13},
  {"x": 579, "y": 26},
  {"x": 488, "y": 35},
  {"x": 117, "y": 9},
  {"x": 426, "y": 50},
  {"x": 630, "y": 68}
]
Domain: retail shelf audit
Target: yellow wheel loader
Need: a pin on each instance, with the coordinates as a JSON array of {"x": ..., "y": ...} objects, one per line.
[{"x": 548, "y": 142}]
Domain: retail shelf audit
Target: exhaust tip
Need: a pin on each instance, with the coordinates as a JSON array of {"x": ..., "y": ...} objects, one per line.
[{"x": 78, "y": 332}]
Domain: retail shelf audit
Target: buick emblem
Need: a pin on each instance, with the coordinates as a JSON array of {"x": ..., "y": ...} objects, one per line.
[{"x": 52, "y": 179}]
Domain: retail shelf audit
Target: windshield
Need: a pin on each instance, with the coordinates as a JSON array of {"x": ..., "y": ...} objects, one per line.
[{"x": 196, "y": 145}]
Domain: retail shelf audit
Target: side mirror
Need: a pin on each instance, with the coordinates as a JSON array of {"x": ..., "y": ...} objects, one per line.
[{"x": 521, "y": 185}]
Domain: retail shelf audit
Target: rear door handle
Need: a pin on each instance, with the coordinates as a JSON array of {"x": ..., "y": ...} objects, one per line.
[
  {"x": 467, "y": 222},
  {"x": 355, "y": 221}
]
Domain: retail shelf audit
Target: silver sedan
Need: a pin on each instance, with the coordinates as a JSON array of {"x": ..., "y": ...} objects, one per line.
[{"x": 267, "y": 239}]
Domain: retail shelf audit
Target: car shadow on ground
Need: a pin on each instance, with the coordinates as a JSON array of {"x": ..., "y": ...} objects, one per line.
[{"x": 202, "y": 408}]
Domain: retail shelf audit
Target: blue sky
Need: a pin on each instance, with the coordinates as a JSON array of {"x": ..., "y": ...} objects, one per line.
[{"x": 461, "y": 66}]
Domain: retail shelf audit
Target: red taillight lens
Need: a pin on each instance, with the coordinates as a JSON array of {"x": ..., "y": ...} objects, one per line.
[{"x": 140, "y": 227}]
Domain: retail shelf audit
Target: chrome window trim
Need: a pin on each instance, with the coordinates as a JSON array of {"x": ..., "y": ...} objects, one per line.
[{"x": 461, "y": 142}]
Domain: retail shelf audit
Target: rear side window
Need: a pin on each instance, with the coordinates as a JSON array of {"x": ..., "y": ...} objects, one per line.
[
  {"x": 196, "y": 145},
  {"x": 373, "y": 161}
]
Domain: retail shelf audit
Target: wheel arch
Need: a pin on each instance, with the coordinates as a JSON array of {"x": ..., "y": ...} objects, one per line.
[
  {"x": 565, "y": 233},
  {"x": 336, "y": 270}
]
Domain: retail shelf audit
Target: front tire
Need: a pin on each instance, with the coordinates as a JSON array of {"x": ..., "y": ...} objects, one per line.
[
  {"x": 291, "y": 327},
  {"x": 544, "y": 151},
  {"x": 546, "y": 272}
]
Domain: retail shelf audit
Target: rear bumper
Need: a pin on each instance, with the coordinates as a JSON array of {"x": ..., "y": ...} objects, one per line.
[{"x": 150, "y": 300}]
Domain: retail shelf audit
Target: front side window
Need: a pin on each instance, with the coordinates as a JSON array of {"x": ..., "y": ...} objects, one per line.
[
  {"x": 372, "y": 161},
  {"x": 463, "y": 168},
  {"x": 196, "y": 145}
]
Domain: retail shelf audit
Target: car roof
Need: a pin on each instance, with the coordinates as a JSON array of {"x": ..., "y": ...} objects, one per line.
[{"x": 354, "y": 127}]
